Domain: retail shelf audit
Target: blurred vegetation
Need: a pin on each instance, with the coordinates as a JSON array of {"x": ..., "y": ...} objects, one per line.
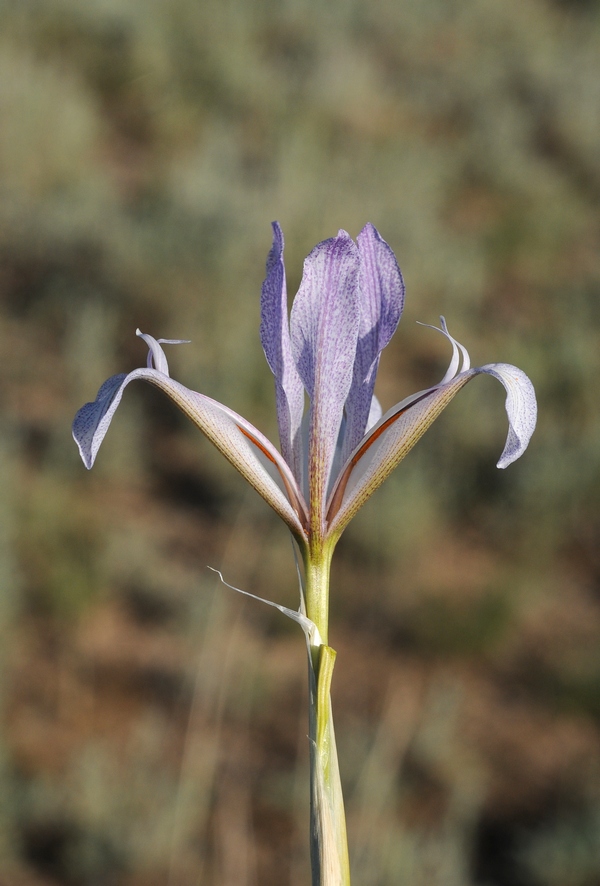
[{"x": 153, "y": 725}]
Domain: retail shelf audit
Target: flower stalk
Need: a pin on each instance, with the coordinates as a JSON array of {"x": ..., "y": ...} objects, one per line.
[
  {"x": 330, "y": 863},
  {"x": 329, "y": 843},
  {"x": 316, "y": 569}
]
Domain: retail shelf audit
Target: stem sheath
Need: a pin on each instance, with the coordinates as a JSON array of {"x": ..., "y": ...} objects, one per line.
[{"x": 329, "y": 844}]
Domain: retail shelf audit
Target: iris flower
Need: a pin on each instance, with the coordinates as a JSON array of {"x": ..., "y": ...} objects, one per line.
[{"x": 334, "y": 453}]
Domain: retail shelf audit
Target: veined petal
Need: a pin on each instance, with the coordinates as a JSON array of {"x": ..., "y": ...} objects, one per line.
[
  {"x": 275, "y": 338},
  {"x": 403, "y": 425},
  {"x": 521, "y": 408},
  {"x": 241, "y": 443},
  {"x": 324, "y": 331},
  {"x": 381, "y": 304}
]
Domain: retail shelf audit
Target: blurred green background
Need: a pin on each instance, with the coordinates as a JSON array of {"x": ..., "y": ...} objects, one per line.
[{"x": 153, "y": 723}]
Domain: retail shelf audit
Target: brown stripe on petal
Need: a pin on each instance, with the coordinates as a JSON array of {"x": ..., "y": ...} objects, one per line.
[
  {"x": 294, "y": 500},
  {"x": 344, "y": 504},
  {"x": 342, "y": 482}
]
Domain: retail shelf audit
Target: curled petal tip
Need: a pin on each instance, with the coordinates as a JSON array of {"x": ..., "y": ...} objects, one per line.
[
  {"x": 157, "y": 358},
  {"x": 521, "y": 409},
  {"x": 93, "y": 419},
  {"x": 458, "y": 351}
]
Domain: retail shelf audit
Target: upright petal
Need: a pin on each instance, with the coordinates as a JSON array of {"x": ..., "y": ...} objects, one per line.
[
  {"x": 381, "y": 303},
  {"x": 403, "y": 425},
  {"x": 241, "y": 443},
  {"x": 324, "y": 331},
  {"x": 275, "y": 338}
]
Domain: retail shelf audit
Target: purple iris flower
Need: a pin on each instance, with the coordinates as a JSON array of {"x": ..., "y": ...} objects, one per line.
[
  {"x": 334, "y": 454},
  {"x": 341, "y": 448}
]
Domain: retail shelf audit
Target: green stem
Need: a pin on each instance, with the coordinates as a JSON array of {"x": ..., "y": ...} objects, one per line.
[
  {"x": 329, "y": 845},
  {"x": 316, "y": 566}
]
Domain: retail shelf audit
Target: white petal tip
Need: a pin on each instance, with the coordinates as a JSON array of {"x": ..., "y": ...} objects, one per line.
[{"x": 521, "y": 409}]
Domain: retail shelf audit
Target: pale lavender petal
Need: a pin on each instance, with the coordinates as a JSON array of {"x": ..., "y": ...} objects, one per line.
[
  {"x": 521, "y": 409},
  {"x": 92, "y": 420},
  {"x": 381, "y": 303},
  {"x": 403, "y": 425},
  {"x": 324, "y": 331},
  {"x": 275, "y": 338},
  {"x": 382, "y": 448},
  {"x": 241, "y": 443}
]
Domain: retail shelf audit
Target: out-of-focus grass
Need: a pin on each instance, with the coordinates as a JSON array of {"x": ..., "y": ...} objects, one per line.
[{"x": 153, "y": 726}]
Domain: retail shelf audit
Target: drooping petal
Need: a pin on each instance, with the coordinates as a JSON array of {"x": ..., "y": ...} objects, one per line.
[
  {"x": 241, "y": 443},
  {"x": 275, "y": 338},
  {"x": 521, "y": 408},
  {"x": 324, "y": 331},
  {"x": 403, "y": 425},
  {"x": 381, "y": 304}
]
